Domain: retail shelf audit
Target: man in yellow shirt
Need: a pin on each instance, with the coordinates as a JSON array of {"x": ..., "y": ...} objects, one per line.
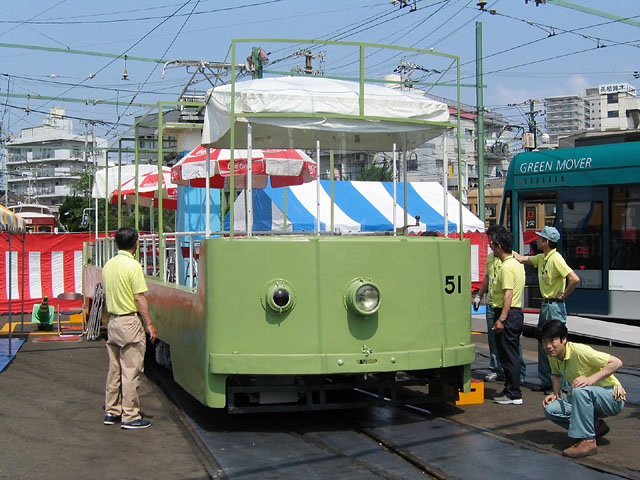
[
  {"x": 557, "y": 281},
  {"x": 124, "y": 288},
  {"x": 495, "y": 368},
  {"x": 595, "y": 393},
  {"x": 506, "y": 293}
]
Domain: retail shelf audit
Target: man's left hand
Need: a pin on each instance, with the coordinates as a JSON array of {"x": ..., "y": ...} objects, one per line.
[{"x": 582, "y": 382}]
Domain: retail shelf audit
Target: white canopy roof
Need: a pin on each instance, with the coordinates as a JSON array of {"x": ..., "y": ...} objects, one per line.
[
  {"x": 316, "y": 95},
  {"x": 127, "y": 173}
]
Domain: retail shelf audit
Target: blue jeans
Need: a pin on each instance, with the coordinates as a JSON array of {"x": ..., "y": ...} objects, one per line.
[
  {"x": 494, "y": 361},
  {"x": 578, "y": 411},
  {"x": 548, "y": 311}
]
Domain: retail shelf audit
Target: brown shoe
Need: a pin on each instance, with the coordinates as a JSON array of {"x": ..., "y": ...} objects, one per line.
[
  {"x": 601, "y": 428},
  {"x": 582, "y": 448}
]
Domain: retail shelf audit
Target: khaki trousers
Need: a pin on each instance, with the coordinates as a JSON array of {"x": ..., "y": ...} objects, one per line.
[{"x": 126, "y": 346}]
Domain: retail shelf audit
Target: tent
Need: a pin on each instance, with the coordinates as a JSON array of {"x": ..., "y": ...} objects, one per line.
[
  {"x": 359, "y": 207},
  {"x": 108, "y": 178},
  {"x": 306, "y": 99}
]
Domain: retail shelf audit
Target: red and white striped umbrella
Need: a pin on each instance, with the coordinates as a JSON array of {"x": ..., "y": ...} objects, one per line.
[
  {"x": 148, "y": 190},
  {"x": 283, "y": 167}
]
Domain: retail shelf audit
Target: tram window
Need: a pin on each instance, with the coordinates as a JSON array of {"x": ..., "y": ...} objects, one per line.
[
  {"x": 582, "y": 241},
  {"x": 549, "y": 214},
  {"x": 44, "y": 229},
  {"x": 625, "y": 228}
]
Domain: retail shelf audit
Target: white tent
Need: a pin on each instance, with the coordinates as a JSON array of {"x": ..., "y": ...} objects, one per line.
[
  {"x": 100, "y": 185},
  {"x": 317, "y": 96}
]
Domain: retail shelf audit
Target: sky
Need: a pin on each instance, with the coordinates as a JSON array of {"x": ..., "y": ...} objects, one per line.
[{"x": 529, "y": 51}]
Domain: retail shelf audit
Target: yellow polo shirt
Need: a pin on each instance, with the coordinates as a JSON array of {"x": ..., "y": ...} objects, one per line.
[
  {"x": 582, "y": 361},
  {"x": 122, "y": 278},
  {"x": 492, "y": 261},
  {"x": 552, "y": 273},
  {"x": 509, "y": 276}
]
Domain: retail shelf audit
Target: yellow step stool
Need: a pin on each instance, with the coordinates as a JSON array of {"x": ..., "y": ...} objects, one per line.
[{"x": 475, "y": 396}]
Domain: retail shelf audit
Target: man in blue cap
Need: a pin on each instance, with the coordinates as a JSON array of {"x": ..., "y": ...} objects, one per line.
[{"x": 557, "y": 281}]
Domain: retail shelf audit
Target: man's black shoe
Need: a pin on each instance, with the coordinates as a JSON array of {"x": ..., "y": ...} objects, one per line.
[{"x": 110, "y": 419}]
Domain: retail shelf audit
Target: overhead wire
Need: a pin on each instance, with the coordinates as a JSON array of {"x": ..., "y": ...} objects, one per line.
[
  {"x": 123, "y": 54},
  {"x": 156, "y": 65},
  {"x": 124, "y": 20}
]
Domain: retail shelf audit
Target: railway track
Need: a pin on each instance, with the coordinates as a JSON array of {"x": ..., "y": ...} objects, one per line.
[{"x": 389, "y": 443}]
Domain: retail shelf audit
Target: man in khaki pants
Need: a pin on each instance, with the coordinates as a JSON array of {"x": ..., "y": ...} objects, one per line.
[{"x": 124, "y": 286}]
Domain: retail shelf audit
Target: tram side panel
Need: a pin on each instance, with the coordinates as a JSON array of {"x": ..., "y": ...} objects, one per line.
[{"x": 423, "y": 321}]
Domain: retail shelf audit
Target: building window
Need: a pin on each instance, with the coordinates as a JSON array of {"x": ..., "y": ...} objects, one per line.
[
  {"x": 612, "y": 98},
  {"x": 612, "y": 114}
]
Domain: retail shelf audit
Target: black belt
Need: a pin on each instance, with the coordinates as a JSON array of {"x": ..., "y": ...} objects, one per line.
[
  {"x": 125, "y": 314},
  {"x": 552, "y": 300}
]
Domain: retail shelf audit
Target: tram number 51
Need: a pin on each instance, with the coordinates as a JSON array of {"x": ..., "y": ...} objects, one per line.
[{"x": 451, "y": 282}]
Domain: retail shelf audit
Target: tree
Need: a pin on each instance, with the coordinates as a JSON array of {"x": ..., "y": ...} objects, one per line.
[{"x": 379, "y": 173}]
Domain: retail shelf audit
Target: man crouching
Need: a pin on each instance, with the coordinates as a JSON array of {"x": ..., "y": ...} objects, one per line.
[{"x": 595, "y": 392}]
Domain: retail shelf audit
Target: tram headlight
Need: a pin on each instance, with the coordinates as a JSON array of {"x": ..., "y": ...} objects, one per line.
[
  {"x": 362, "y": 296},
  {"x": 279, "y": 296}
]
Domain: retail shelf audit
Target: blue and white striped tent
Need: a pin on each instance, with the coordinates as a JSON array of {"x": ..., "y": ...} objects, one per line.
[{"x": 359, "y": 207}]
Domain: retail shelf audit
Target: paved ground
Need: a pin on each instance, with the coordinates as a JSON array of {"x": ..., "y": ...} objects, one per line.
[{"x": 51, "y": 413}]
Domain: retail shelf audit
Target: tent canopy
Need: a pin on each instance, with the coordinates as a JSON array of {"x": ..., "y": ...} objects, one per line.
[
  {"x": 359, "y": 207},
  {"x": 397, "y": 115},
  {"x": 99, "y": 189}
]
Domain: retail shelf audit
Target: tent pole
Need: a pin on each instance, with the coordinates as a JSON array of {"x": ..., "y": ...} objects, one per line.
[
  {"x": 318, "y": 188},
  {"x": 405, "y": 194},
  {"x": 395, "y": 186},
  {"x": 207, "y": 210},
  {"x": 249, "y": 189},
  {"x": 445, "y": 185},
  {"x": 284, "y": 196},
  {"x": 333, "y": 230}
]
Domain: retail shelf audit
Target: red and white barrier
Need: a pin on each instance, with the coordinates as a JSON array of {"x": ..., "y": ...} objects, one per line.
[{"x": 52, "y": 265}]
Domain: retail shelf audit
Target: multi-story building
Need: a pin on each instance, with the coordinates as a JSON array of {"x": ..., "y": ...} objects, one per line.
[
  {"x": 567, "y": 115},
  {"x": 618, "y": 106},
  {"x": 44, "y": 162},
  {"x": 603, "y": 108}
]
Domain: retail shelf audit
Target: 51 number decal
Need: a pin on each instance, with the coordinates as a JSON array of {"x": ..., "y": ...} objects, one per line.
[{"x": 451, "y": 282}]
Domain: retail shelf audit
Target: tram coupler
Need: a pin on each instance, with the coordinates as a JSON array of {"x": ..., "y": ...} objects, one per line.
[{"x": 43, "y": 314}]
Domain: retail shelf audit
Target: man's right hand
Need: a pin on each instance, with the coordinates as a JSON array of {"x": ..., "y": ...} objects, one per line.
[
  {"x": 476, "y": 303},
  {"x": 153, "y": 335}
]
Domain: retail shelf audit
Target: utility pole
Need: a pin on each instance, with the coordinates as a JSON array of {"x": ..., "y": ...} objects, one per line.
[
  {"x": 480, "y": 102},
  {"x": 531, "y": 120},
  {"x": 308, "y": 62}
]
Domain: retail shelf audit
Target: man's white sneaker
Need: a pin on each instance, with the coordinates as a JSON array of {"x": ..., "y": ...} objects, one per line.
[
  {"x": 491, "y": 377},
  {"x": 504, "y": 400}
]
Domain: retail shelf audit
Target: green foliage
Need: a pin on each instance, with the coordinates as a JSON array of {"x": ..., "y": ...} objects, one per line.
[
  {"x": 73, "y": 208},
  {"x": 378, "y": 173}
]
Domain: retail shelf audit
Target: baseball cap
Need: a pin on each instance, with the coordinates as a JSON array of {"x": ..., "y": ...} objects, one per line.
[{"x": 550, "y": 233}]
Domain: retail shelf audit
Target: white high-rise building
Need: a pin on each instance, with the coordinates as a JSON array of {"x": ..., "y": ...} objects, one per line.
[
  {"x": 44, "y": 162},
  {"x": 603, "y": 108}
]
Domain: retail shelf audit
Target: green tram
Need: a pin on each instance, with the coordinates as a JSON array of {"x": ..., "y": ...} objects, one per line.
[
  {"x": 592, "y": 196},
  {"x": 289, "y": 321}
]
